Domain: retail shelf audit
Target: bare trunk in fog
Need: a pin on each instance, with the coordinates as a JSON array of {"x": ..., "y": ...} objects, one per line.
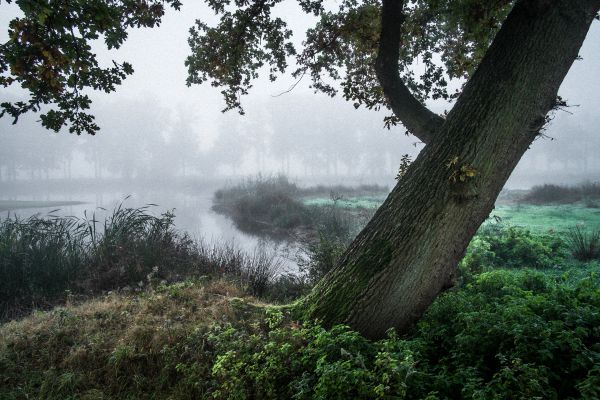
[{"x": 409, "y": 251}]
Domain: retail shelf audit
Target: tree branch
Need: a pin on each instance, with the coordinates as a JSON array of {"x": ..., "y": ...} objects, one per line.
[{"x": 417, "y": 118}]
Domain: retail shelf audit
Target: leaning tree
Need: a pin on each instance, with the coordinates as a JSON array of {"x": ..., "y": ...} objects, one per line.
[{"x": 509, "y": 58}]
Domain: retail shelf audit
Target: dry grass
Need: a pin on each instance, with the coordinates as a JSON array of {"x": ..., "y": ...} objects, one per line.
[{"x": 120, "y": 346}]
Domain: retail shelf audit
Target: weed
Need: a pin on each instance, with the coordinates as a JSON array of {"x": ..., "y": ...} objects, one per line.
[{"x": 584, "y": 244}]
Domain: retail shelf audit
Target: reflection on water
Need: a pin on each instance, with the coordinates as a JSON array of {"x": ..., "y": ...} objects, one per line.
[{"x": 193, "y": 214}]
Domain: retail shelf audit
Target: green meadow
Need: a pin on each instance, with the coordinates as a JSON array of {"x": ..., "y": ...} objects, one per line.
[
  {"x": 547, "y": 217},
  {"x": 537, "y": 218}
]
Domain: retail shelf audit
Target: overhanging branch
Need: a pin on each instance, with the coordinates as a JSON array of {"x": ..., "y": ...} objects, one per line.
[{"x": 417, "y": 118}]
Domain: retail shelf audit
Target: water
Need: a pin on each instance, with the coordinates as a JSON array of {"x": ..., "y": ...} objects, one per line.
[{"x": 192, "y": 208}]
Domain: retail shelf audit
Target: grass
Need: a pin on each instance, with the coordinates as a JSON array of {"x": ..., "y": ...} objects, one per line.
[
  {"x": 538, "y": 218},
  {"x": 121, "y": 346},
  {"x": 505, "y": 334},
  {"x": 46, "y": 261},
  {"x": 347, "y": 203},
  {"x": 544, "y": 218},
  {"x": 584, "y": 245}
]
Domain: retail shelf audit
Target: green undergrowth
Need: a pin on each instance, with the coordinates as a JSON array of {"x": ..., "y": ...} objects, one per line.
[{"x": 504, "y": 334}]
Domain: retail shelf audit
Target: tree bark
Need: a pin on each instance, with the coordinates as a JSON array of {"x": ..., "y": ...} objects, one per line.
[
  {"x": 417, "y": 118},
  {"x": 408, "y": 253}
]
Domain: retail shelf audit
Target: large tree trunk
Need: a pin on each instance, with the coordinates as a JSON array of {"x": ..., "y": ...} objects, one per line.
[{"x": 409, "y": 251}]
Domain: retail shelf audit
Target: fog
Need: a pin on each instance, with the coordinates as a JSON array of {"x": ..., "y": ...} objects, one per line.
[{"x": 157, "y": 133}]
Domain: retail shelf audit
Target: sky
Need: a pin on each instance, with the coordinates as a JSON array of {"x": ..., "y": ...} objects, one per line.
[{"x": 158, "y": 56}]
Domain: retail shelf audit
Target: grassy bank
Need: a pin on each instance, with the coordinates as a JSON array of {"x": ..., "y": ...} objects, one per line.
[{"x": 504, "y": 334}]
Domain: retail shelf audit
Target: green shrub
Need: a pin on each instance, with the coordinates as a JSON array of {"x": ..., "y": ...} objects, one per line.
[
  {"x": 307, "y": 362},
  {"x": 496, "y": 246},
  {"x": 321, "y": 257},
  {"x": 510, "y": 335},
  {"x": 507, "y": 335}
]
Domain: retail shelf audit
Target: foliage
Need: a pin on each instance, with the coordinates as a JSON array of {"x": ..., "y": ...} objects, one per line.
[
  {"x": 49, "y": 54},
  {"x": 256, "y": 38},
  {"x": 405, "y": 162},
  {"x": 511, "y": 335},
  {"x": 507, "y": 334},
  {"x": 496, "y": 246},
  {"x": 342, "y": 46},
  {"x": 322, "y": 256},
  {"x": 307, "y": 362}
]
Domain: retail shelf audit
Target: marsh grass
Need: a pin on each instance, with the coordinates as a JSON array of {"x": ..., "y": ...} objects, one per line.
[
  {"x": 584, "y": 244},
  {"x": 46, "y": 260}
]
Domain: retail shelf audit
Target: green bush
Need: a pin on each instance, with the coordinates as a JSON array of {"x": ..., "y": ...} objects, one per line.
[
  {"x": 496, "y": 246},
  {"x": 321, "y": 257},
  {"x": 507, "y": 335},
  {"x": 307, "y": 362},
  {"x": 510, "y": 335}
]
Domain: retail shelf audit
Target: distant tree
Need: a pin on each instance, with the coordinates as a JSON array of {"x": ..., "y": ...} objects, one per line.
[{"x": 513, "y": 56}]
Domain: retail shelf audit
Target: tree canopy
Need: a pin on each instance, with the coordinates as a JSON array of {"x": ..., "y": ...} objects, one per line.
[{"x": 49, "y": 55}]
